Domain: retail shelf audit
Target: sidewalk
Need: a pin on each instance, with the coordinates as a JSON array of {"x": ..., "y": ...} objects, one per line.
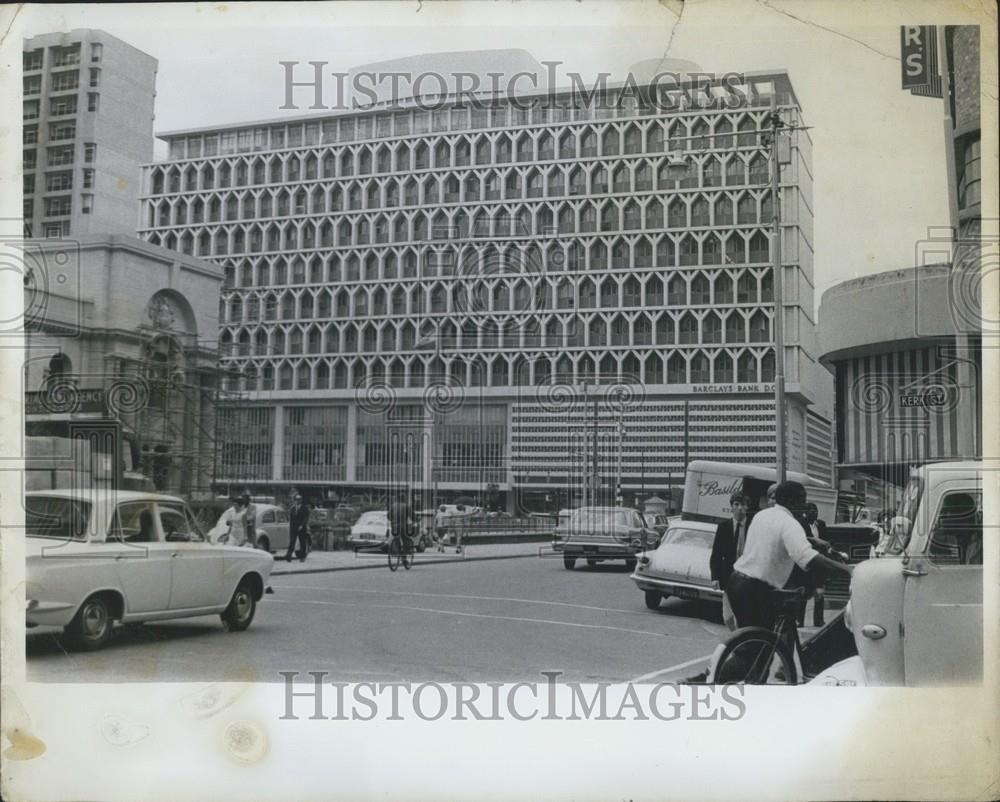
[{"x": 324, "y": 561}]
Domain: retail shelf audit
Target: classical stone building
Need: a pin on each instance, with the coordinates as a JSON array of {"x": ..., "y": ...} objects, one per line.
[{"x": 123, "y": 334}]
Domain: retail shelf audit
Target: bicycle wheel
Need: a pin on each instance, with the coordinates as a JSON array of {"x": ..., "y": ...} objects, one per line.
[
  {"x": 407, "y": 552},
  {"x": 755, "y": 656},
  {"x": 393, "y": 552}
]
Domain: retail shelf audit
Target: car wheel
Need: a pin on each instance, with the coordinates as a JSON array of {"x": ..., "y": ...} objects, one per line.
[
  {"x": 91, "y": 627},
  {"x": 264, "y": 544},
  {"x": 569, "y": 562},
  {"x": 630, "y": 563},
  {"x": 653, "y": 598},
  {"x": 242, "y": 606}
]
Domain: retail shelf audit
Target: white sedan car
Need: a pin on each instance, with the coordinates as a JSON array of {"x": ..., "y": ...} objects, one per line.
[
  {"x": 94, "y": 558},
  {"x": 679, "y": 566}
]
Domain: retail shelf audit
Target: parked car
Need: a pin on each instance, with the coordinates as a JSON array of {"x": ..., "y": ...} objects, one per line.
[
  {"x": 661, "y": 522},
  {"x": 916, "y": 613},
  {"x": 679, "y": 566},
  {"x": 372, "y": 531},
  {"x": 604, "y": 533},
  {"x": 271, "y": 528},
  {"x": 562, "y": 527},
  {"x": 94, "y": 559}
]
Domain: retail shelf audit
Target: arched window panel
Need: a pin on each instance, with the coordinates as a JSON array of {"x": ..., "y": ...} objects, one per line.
[
  {"x": 736, "y": 329},
  {"x": 688, "y": 329},
  {"x": 746, "y": 367},
  {"x": 723, "y": 367},
  {"x": 701, "y": 368},
  {"x": 676, "y": 369},
  {"x": 760, "y": 248},
  {"x": 711, "y": 328},
  {"x": 759, "y": 327}
]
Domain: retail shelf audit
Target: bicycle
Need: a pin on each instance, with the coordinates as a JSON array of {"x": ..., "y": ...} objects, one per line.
[
  {"x": 400, "y": 551},
  {"x": 761, "y": 656}
]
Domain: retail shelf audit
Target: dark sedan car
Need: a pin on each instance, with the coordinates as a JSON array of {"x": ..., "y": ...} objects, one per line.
[{"x": 597, "y": 534}]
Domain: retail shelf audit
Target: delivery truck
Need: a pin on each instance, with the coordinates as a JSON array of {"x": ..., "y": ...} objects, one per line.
[{"x": 709, "y": 485}]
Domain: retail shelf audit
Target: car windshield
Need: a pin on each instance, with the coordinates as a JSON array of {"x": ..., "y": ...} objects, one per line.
[
  {"x": 375, "y": 517},
  {"x": 597, "y": 519},
  {"x": 688, "y": 537},
  {"x": 900, "y": 527},
  {"x": 56, "y": 517}
]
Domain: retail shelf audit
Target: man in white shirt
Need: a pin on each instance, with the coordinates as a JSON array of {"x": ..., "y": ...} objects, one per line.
[{"x": 775, "y": 544}]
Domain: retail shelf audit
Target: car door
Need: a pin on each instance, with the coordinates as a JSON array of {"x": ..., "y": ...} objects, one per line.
[
  {"x": 196, "y": 577},
  {"x": 265, "y": 527},
  {"x": 943, "y": 597},
  {"x": 280, "y": 530},
  {"x": 142, "y": 559}
]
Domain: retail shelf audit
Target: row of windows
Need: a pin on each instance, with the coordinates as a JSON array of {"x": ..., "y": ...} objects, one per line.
[
  {"x": 704, "y": 248},
  {"x": 699, "y": 367},
  {"x": 65, "y": 81},
  {"x": 712, "y": 127},
  {"x": 59, "y": 106},
  {"x": 736, "y": 329},
  {"x": 491, "y": 293},
  {"x": 60, "y": 181},
  {"x": 577, "y": 178},
  {"x": 321, "y": 214},
  {"x": 59, "y": 56},
  {"x": 60, "y": 156}
]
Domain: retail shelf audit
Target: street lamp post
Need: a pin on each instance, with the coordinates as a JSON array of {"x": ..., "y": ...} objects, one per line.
[
  {"x": 619, "y": 491},
  {"x": 777, "y": 280}
]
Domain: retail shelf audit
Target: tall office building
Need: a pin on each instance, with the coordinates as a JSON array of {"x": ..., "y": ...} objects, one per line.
[
  {"x": 88, "y": 128},
  {"x": 518, "y": 291}
]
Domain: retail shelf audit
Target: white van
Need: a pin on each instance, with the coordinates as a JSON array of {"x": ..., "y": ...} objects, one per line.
[{"x": 709, "y": 485}]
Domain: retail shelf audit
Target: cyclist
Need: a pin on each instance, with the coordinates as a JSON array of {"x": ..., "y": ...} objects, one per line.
[
  {"x": 401, "y": 521},
  {"x": 775, "y": 544}
]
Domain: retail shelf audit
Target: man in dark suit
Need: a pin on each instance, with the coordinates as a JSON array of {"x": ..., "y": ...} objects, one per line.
[
  {"x": 730, "y": 537},
  {"x": 298, "y": 528},
  {"x": 815, "y": 529}
]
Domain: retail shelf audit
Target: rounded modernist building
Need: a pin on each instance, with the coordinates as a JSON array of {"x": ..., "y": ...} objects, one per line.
[{"x": 907, "y": 373}]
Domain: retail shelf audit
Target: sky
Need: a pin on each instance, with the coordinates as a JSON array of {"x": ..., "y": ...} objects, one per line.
[{"x": 878, "y": 152}]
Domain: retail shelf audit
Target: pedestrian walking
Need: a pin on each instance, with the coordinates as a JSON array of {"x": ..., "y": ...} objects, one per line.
[
  {"x": 249, "y": 518},
  {"x": 298, "y": 528},
  {"x": 235, "y": 521},
  {"x": 727, "y": 547}
]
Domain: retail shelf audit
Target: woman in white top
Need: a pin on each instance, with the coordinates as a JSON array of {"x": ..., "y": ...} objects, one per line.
[{"x": 235, "y": 520}]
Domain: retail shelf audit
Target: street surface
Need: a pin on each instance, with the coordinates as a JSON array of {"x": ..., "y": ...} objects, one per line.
[{"x": 479, "y": 621}]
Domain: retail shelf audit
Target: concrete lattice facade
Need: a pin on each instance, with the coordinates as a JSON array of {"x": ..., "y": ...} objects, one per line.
[{"x": 474, "y": 268}]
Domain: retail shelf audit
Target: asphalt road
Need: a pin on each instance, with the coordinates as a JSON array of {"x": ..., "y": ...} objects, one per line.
[{"x": 503, "y": 620}]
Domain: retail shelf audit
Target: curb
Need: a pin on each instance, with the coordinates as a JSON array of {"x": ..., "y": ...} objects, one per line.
[{"x": 382, "y": 564}]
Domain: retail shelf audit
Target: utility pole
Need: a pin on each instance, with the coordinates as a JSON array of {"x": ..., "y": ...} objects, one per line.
[
  {"x": 777, "y": 281},
  {"x": 687, "y": 427},
  {"x": 619, "y": 495},
  {"x": 594, "y": 481}
]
